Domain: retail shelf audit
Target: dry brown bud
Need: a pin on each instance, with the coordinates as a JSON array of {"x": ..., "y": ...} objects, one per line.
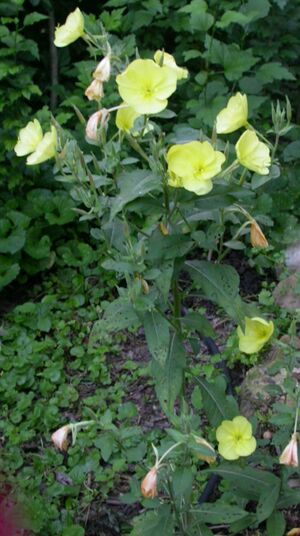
[{"x": 257, "y": 237}]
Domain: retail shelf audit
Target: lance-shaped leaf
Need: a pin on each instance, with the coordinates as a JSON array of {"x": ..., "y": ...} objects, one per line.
[
  {"x": 133, "y": 185},
  {"x": 217, "y": 406}
]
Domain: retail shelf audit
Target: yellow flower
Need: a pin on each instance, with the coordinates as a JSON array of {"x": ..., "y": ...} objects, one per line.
[
  {"x": 95, "y": 90},
  {"x": 146, "y": 86},
  {"x": 257, "y": 332},
  {"x": 252, "y": 153},
  {"x": 234, "y": 116},
  {"x": 29, "y": 138},
  {"x": 235, "y": 438},
  {"x": 169, "y": 61},
  {"x": 192, "y": 166},
  {"x": 45, "y": 149},
  {"x": 125, "y": 118},
  {"x": 149, "y": 484},
  {"x": 71, "y": 30},
  {"x": 257, "y": 237},
  {"x": 290, "y": 454}
]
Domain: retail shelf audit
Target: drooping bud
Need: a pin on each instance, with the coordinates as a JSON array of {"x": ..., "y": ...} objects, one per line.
[
  {"x": 60, "y": 437},
  {"x": 102, "y": 71},
  {"x": 94, "y": 91},
  {"x": 257, "y": 237},
  {"x": 97, "y": 119},
  {"x": 290, "y": 454},
  {"x": 210, "y": 457},
  {"x": 163, "y": 229},
  {"x": 149, "y": 484}
]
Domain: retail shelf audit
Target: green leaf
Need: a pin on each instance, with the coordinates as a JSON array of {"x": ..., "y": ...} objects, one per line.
[
  {"x": 267, "y": 502},
  {"x": 155, "y": 522},
  {"x": 276, "y": 524},
  {"x": 169, "y": 376},
  {"x": 8, "y": 271},
  {"x": 161, "y": 247},
  {"x": 197, "y": 322},
  {"x": 249, "y": 482},
  {"x": 217, "y": 405},
  {"x": 157, "y": 335},
  {"x": 133, "y": 185},
  {"x": 182, "y": 481},
  {"x": 219, "y": 512},
  {"x": 220, "y": 284},
  {"x": 230, "y": 17},
  {"x": 34, "y": 17},
  {"x": 14, "y": 242},
  {"x": 273, "y": 71}
]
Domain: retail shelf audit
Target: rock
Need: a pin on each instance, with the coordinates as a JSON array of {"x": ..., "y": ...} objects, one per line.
[
  {"x": 292, "y": 257},
  {"x": 287, "y": 292},
  {"x": 263, "y": 383}
]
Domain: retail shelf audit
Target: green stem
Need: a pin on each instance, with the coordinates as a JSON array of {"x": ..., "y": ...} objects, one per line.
[
  {"x": 275, "y": 147},
  {"x": 176, "y": 512},
  {"x": 136, "y": 146},
  {"x": 235, "y": 237},
  {"x": 243, "y": 176}
]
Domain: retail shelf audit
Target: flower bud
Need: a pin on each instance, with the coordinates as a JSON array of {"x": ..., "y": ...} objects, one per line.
[
  {"x": 102, "y": 71},
  {"x": 206, "y": 458},
  {"x": 60, "y": 437},
  {"x": 290, "y": 454},
  {"x": 257, "y": 237},
  {"x": 294, "y": 532},
  {"x": 163, "y": 229},
  {"x": 94, "y": 91},
  {"x": 91, "y": 129},
  {"x": 149, "y": 484}
]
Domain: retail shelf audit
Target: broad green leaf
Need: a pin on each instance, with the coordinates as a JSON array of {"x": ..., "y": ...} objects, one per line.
[
  {"x": 119, "y": 315},
  {"x": 248, "y": 481},
  {"x": 8, "y": 271},
  {"x": 198, "y": 322},
  {"x": 161, "y": 247},
  {"x": 13, "y": 242},
  {"x": 276, "y": 524},
  {"x": 220, "y": 284},
  {"x": 289, "y": 498},
  {"x": 155, "y": 522},
  {"x": 133, "y": 185},
  {"x": 273, "y": 71},
  {"x": 267, "y": 502},
  {"x": 257, "y": 9},
  {"x": 169, "y": 376},
  {"x": 182, "y": 481},
  {"x": 157, "y": 335},
  {"x": 230, "y": 17},
  {"x": 34, "y": 17},
  {"x": 217, "y": 405},
  {"x": 239, "y": 526},
  {"x": 219, "y": 512}
]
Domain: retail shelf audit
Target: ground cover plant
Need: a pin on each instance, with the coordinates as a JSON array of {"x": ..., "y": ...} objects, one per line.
[{"x": 166, "y": 203}]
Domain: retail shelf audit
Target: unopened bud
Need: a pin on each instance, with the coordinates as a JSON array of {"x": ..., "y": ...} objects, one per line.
[
  {"x": 163, "y": 229},
  {"x": 145, "y": 286},
  {"x": 60, "y": 437},
  {"x": 267, "y": 435},
  {"x": 257, "y": 237},
  {"x": 98, "y": 119},
  {"x": 94, "y": 91},
  {"x": 149, "y": 484},
  {"x": 102, "y": 71},
  {"x": 209, "y": 458},
  {"x": 290, "y": 454}
]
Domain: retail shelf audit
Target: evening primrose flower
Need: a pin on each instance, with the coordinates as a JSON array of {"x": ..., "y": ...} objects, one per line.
[
  {"x": 235, "y": 438},
  {"x": 60, "y": 437},
  {"x": 149, "y": 484},
  {"x": 257, "y": 332},
  {"x": 257, "y": 237},
  {"x": 290, "y": 454},
  {"x": 125, "y": 118},
  {"x": 234, "y": 116},
  {"x": 169, "y": 61},
  {"x": 253, "y": 154},
  {"x": 192, "y": 166},
  {"x": 29, "y": 138},
  {"x": 71, "y": 30},
  {"x": 45, "y": 150},
  {"x": 145, "y": 86}
]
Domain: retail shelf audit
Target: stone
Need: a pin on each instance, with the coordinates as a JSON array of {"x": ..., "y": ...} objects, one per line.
[
  {"x": 287, "y": 293},
  {"x": 292, "y": 257},
  {"x": 263, "y": 384}
]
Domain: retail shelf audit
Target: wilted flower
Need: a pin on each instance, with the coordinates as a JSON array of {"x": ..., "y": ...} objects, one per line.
[
  {"x": 145, "y": 86},
  {"x": 169, "y": 61},
  {"x": 192, "y": 166},
  {"x": 149, "y": 484},
  {"x": 234, "y": 116},
  {"x": 235, "y": 438},
  {"x": 94, "y": 91},
  {"x": 102, "y": 71},
  {"x": 290, "y": 453},
  {"x": 253, "y": 154},
  {"x": 209, "y": 458},
  {"x": 294, "y": 532},
  {"x": 125, "y": 118},
  {"x": 257, "y": 237},
  {"x": 100, "y": 117},
  {"x": 45, "y": 150},
  {"x": 60, "y": 437},
  {"x": 71, "y": 30},
  {"x": 257, "y": 332},
  {"x": 29, "y": 137}
]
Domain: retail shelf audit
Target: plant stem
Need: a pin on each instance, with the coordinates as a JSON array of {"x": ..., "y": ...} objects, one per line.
[{"x": 136, "y": 146}]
